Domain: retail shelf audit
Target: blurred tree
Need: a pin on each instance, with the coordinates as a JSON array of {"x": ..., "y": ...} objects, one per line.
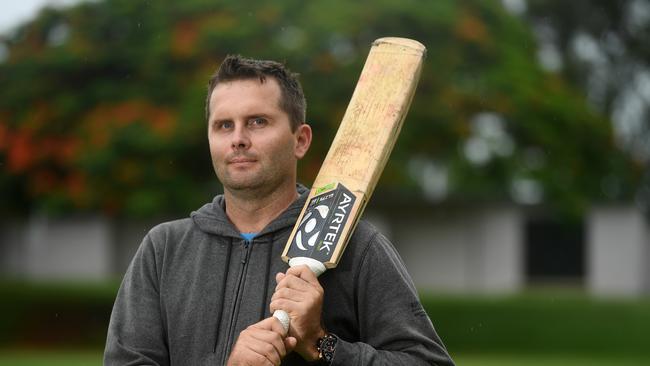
[
  {"x": 101, "y": 104},
  {"x": 602, "y": 46}
]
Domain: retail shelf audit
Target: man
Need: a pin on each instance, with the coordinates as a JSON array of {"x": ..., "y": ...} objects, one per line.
[{"x": 201, "y": 291}]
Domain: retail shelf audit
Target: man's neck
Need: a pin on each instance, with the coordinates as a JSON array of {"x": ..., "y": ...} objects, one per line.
[{"x": 250, "y": 213}]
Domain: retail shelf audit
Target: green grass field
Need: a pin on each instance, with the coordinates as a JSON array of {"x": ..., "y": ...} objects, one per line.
[
  {"x": 85, "y": 358},
  {"x": 68, "y": 322},
  {"x": 49, "y": 358},
  {"x": 546, "y": 360}
]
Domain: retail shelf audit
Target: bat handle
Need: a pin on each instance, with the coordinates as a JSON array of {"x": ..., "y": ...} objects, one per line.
[{"x": 317, "y": 267}]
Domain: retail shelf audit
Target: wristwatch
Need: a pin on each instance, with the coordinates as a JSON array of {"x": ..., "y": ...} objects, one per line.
[{"x": 326, "y": 346}]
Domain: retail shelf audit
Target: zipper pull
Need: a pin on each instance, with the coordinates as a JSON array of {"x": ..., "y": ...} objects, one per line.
[{"x": 246, "y": 253}]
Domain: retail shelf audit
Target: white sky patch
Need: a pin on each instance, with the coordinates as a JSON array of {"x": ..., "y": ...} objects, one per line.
[
  {"x": 589, "y": 50},
  {"x": 433, "y": 177},
  {"x": 489, "y": 139},
  {"x": 631, "y": 113},
  {"x": 516, "y": 7},
  {"x": 642, "y": 82},
  {"x": 548, "y": 53},
  {"x": 58, "y": 35},
  {"x": 15, "y": 13},
  {"x": 638, "y": 15},
  {"x": 477, "y": 151},
  {"x": 549, "y": 57},
  {"x": 628, "y": 109},
  {"x": 613, "y": 44},
  {"x": 526, "y": 191},
  {"x": 586, "y": 48}
]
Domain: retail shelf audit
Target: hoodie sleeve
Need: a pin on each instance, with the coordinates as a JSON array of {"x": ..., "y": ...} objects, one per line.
[
  {"x": 136, "y": 334},
  {"x": 394, "y": 327}
]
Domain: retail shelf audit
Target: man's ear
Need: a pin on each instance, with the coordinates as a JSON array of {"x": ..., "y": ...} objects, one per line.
[{"x": 303, "y": 140}]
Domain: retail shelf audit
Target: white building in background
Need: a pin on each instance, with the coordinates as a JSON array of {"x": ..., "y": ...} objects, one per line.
[
  {"x": 459, "y": 250},
  {"x": 489, "y": 249},
  {"x": 71, "y": 248},
  {"x": 619, "y": 252}
]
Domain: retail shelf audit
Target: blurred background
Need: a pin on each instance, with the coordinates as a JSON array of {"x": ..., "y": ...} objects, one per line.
[{"x": 518, "y": 192}]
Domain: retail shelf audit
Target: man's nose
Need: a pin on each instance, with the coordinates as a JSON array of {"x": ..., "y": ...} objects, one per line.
[{"x": 240, "y": 137}]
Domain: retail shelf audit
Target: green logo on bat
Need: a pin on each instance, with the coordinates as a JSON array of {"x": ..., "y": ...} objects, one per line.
[{"x": 324, "y": 188}]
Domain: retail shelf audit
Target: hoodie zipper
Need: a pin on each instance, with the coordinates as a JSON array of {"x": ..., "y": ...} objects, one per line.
[{"x": 240, "y": 286}]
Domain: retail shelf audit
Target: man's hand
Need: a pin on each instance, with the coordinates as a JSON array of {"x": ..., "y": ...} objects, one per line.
[
  {"x": 261, "y": 344},
  {"x": 300, "y": 294}
]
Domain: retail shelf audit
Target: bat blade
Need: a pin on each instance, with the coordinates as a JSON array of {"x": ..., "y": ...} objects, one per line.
[{"x": 359, "y": 151}]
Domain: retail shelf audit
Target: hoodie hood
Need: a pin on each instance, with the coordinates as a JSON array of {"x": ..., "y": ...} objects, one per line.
[{"x": 212, "y": 218}]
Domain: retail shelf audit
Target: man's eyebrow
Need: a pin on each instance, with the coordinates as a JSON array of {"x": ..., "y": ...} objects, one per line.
[
  {"x": 220, "y": 120},
  {"x": 256, "y": 115},
  {"x": 246, "y": 117}
]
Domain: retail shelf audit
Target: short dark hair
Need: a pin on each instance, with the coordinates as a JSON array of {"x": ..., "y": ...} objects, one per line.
[{"x": 236, "y": 67}]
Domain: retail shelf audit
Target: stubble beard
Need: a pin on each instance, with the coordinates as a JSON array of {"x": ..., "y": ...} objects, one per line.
[{"x": 253, "y": 185}]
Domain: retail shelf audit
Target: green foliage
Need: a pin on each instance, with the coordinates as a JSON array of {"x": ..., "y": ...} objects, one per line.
[{"x": 101, "y": 104}]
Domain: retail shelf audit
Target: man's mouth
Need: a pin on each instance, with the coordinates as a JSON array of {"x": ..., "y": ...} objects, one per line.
[{"x": 241, "y": 160}]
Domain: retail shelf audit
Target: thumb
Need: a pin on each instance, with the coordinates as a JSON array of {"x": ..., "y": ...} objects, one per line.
[
  {"x": 279, "y": 276},
  {"x": 290, "y": 343}
]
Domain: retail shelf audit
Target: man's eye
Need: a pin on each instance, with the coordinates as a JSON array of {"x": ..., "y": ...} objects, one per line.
[
  {"x": 224, "y": 125},
  {"x": 257, "y": 121}
]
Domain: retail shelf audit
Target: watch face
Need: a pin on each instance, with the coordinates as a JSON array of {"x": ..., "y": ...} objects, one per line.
[{"x": 326, "y": 347}]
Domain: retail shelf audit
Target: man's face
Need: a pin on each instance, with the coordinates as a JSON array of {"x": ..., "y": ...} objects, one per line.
[{"x": 251, "y": 143}]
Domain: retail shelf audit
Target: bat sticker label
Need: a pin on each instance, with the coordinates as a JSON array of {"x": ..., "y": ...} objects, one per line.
[{"x": 320, "y": 230}]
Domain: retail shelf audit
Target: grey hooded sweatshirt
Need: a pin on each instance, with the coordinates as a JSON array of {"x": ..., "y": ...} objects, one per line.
[{"x": 195, "y": 284}]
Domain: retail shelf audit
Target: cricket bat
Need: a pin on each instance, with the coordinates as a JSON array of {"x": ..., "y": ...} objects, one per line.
[{"x": 357, "y": 156}]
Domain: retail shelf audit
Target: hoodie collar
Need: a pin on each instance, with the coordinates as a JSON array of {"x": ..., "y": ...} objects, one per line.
[{"x": 212, "y": 218}]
